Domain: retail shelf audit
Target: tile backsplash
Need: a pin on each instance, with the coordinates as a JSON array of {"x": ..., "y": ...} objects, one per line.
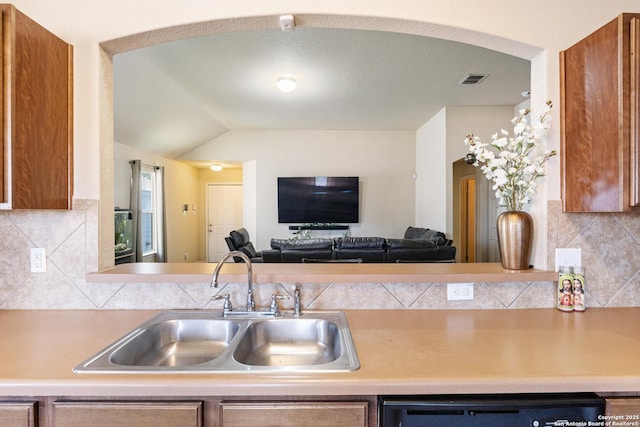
[
  {"x": 70, "y": 239},
  {"x": 610, "y": 246},
  {"x": 609, "y": 243}
]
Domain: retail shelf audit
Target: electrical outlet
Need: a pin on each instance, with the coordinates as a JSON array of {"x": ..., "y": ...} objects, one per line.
[
  {"x": 38, "y": 260},
  {"x": 459, "y": 291},
  {"x": 568, "y": 257}
]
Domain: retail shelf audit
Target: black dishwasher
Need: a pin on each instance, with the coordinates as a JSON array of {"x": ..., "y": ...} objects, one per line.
[{"x": 508, "y": 410}]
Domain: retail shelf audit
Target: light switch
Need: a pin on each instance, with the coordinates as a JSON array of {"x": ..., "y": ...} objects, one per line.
[{"x": 569, "y": 257}]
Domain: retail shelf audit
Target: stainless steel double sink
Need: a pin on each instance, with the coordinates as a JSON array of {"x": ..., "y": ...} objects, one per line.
[{"x": 184, "y": 341}]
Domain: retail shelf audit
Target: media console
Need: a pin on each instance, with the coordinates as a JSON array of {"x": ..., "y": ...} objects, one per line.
[{"x": 318, "y": 227}]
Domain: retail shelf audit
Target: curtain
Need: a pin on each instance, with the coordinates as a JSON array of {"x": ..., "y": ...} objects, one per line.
[
  {"x": 136, "y": 204},
  {"x": 161, "y": 254}
]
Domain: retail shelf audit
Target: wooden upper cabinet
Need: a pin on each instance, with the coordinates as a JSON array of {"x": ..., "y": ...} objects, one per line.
[
  {"x": 36, "y": 169},
  {"x": 599, "y": 114}
]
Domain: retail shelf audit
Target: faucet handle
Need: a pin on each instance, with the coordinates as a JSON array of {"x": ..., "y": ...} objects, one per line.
[
  {"x": 227, "y": 307},
  {"x": 275, "y": 309}
]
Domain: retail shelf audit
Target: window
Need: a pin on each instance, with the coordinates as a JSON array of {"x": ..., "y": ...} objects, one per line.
[
  {"x": 148, "y": 209},
  {"x": 147, "y": 203}
]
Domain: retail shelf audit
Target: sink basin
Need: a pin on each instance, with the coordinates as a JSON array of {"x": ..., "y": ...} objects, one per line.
[
  {"x": 289, "y": 342},
  {"x": 184, "y": 341},
  {"x": 177, "y": 342}
]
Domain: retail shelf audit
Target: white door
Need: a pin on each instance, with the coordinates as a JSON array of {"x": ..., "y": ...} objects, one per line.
[{"x": 224, "y": 214}]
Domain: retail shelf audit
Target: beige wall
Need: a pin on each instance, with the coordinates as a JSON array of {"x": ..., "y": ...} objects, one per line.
[
  {"x": 482, "y": 121},
  {"x": 182, "y": 228},
  {"x": 535, "y": 32},
  {"x": 385, "y": 169},
  {"x": 384, "y": 161},
  {"x": 439, "y": 143}
]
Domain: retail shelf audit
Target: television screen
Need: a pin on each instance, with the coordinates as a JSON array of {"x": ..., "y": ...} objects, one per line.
[{"x": 318, "y": 199}]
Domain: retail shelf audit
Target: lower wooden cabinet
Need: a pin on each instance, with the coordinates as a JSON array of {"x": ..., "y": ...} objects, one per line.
[
  {"x": 627, "y": 408},
  {"x": 127, "y": 414},
  {"x": 201, "y": 411},
  {"x": 307, "y": 414},
  {"x": 213, "y": 412},
  {"x": 194, "y": 411},
  {"x": 18, "y": 414}
]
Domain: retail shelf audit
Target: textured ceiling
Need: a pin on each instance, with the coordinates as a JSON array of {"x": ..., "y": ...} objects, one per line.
[{"x": 173, "y": 97}]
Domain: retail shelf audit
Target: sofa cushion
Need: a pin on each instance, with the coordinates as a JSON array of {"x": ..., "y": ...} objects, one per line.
[
  {"x": 360, "y": 243},
  {"x": 277, "y": 243},
  {"x": 447, "y": 253},
  {"x": 411, "y": 250},
  {"x": 410, "y": 244},
  {"x": 271, "y": 255},
  {"x": 368, "y": 249},
  {"x": 304, "y": 244},
  {"x": 296, "y": 255},
  {"x": 415, "y": 233},
  {"x": 239, "y": 237}
]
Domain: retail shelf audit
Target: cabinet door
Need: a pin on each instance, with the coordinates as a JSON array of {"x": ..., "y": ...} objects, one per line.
[
  {"x": 598, "y": 120},
  {"x": 592, "y": 136},
  {"x": 635, "y": 109},
  {"x": 626, "y": 408},
  {"x": 4, "y": 179},
  {"x": 42, "y": 131},
  {"x": 18, "y": 414},
  {"x": 292, "y": 414},
  {"x": 127, "y": 414},
  {"x": 36, "y": 164}
]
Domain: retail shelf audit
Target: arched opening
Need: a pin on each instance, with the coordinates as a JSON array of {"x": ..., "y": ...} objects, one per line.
[{"x": 264, "y": 22}]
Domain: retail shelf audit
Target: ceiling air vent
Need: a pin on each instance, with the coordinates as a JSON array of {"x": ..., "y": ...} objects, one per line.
[{"x": 473, "y": 79}]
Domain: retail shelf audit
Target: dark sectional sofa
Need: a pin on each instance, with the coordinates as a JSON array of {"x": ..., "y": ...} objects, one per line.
[{"x": 418, "y": 245}]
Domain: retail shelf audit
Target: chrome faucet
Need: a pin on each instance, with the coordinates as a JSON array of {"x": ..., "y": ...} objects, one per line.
[
  {"x": 297, "y": 306},
  {"x": 251, "y": 305}
]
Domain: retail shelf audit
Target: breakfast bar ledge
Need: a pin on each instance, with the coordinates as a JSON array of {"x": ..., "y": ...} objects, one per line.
[{"x": 319, "y": 273}]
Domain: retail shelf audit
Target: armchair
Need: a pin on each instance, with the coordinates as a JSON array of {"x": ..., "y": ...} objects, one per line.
[{"x": 239, "y": 240}]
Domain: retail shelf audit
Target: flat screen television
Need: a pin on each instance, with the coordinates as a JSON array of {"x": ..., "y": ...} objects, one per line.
[{"x": 319, "y": 199}]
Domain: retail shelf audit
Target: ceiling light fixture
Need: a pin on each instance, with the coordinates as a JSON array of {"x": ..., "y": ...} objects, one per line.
[
  {"x": 216, "y": 167},
  {"x": 286, "y": 84}
]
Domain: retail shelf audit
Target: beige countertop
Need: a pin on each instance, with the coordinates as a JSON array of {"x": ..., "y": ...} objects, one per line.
[
  {"x": 401, "y": 352},
  {"x": 320, "y": 273}
]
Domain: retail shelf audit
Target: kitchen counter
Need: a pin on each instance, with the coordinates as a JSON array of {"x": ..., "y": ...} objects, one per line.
[
  {"x": 321, "y": 273},
  {"x": 401, "y": 352}
]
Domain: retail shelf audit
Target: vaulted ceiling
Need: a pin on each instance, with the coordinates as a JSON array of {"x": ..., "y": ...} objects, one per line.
[{"x": 171, "y": 98}]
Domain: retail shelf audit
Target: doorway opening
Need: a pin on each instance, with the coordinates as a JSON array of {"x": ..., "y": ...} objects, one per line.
[
  {"x": 224, "y": 214},
  {"x": 475, "y": 213},
  {"x": 468, "y": 219}
]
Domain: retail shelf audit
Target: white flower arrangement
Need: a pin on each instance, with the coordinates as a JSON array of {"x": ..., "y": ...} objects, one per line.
[{"x": 510, "y": 167}]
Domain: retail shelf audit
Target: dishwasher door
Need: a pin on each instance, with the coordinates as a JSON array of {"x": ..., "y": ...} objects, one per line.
[{"x": 526, "y": 410}]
